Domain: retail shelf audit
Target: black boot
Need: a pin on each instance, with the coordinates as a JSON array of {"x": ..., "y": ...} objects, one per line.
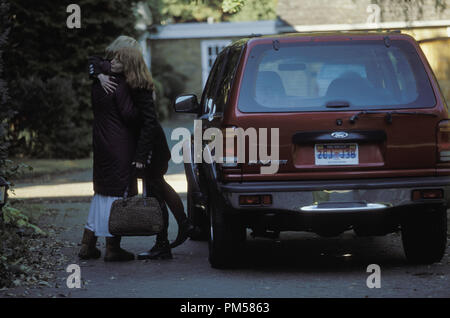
[
  {"x": 185, "y": 229},
  {"x": 88, "y": 249},
  {"x": 114, "y": 253},
  {"x": 161, "y": 250}
]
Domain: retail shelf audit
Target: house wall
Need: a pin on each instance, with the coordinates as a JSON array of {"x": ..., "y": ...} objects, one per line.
[
  {"x": 314, "y": 12},
  {"x": 435, "y": 44},
  {"x": 424, "y": 10},
  {"x": 185, "y": 56},
  {"x": 438, "y": 54}
]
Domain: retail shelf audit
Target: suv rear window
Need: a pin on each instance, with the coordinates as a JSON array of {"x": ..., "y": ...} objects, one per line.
[{"x": 308, "y": 76}]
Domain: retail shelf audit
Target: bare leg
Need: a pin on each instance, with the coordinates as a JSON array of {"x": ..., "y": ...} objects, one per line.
[{"x": 173, "y": 200}]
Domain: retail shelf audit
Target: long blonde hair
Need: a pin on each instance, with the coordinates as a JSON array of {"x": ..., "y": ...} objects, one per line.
[
  {"x": 135, "y": 70},
  {"x": 120, "y": 42}
]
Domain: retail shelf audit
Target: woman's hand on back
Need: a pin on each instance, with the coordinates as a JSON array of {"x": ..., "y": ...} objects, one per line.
[{"x": 106, "y": 81}]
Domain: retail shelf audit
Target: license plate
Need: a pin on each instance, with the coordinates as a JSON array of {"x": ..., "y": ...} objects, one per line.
[{"x": 336, "y": 154}]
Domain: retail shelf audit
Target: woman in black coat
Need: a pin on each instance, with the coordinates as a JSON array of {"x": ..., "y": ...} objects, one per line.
[
  {"x": 114, "y": 139},
  {"x": 114, "y": 145}
]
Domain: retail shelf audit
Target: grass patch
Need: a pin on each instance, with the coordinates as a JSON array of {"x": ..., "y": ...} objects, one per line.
[
  {"x": 33, "y": 211},
  {"x": 42, "y": 167}
]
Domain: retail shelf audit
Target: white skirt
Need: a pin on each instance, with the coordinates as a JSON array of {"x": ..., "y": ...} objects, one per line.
[{"x": 99, "y": 215}]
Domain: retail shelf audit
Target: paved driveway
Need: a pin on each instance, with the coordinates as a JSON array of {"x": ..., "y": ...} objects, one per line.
[{"x": 296, "y": 265}]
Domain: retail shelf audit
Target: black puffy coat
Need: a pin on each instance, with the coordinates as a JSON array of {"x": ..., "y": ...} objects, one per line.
[
  {"x": 114, "y": 139},
  {"x": 151, "y": 135}
]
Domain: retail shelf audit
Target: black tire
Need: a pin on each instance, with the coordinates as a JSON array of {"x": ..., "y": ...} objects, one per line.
[
  {"x": 199, "y": 219},
  {"x": 227, "y": 236},
  {"x": 424, "y": 236}
]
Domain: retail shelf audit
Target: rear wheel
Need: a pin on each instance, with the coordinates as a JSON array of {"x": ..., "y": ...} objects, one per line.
[
  {"x": 424, "y": 236},
  {"x": 226, "y": 236}
]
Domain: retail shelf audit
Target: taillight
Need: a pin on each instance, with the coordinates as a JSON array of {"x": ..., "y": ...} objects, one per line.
[
  {"x": 429, "y": 194},
  {"x": 258, "y": 199},
  {"x": 443, "y": 141}
]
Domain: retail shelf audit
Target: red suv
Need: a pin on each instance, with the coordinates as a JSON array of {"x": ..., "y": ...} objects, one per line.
[{"x": 361, "y": 134}]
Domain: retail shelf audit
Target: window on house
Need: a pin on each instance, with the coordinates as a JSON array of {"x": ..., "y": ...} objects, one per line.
[{"x": 210, "y": 50}]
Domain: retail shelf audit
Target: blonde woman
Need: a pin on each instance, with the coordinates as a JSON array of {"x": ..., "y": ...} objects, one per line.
[
  {"x": 152, "y": 154},
  {"x": 100, "y": 67}
]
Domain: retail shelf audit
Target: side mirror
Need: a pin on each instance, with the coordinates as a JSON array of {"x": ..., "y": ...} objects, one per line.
[{"x": 186, "y": 104}]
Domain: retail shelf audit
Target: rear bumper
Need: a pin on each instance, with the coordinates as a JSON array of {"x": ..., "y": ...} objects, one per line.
[{"x": 337, "y": 197}]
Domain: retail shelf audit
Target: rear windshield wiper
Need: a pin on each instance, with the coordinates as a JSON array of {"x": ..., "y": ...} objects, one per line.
[
  {"x": 388, "y": 115},
  {"x": 337, "y": 104}
]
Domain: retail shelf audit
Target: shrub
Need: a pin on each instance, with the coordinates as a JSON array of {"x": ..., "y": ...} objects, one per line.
[
  {"x": 168, "y": 83},
  {"x": 5, "y": 108},
  {"x": 47, "y": 123},
  {"x": 41, "y": 56}
]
